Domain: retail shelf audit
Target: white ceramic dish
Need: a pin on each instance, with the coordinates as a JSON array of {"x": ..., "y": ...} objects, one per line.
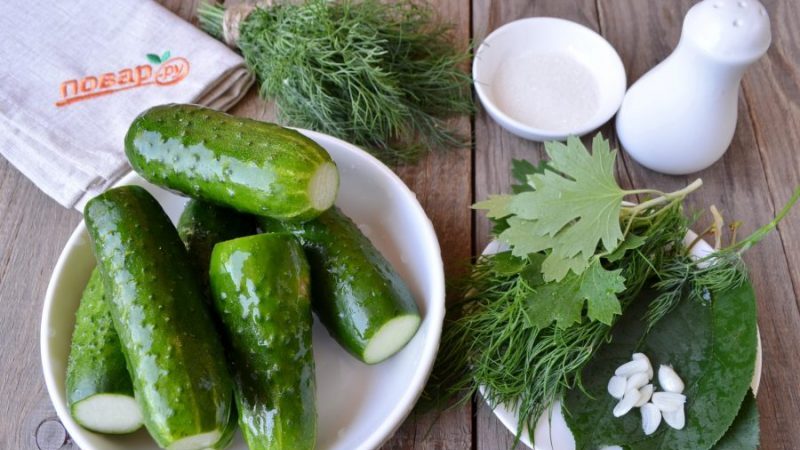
[
  {"x": 359, "y": 406},
  {"x": 552, "y": 432},
  {"x": 548, "y": 36}
]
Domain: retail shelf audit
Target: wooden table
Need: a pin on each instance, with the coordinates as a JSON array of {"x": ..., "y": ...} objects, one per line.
[{"x": 755, "y": 178}]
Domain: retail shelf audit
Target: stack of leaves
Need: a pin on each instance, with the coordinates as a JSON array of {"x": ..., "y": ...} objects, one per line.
[
  {"x": 383, "y": 75},
  {"x": 573, "y": 257}
]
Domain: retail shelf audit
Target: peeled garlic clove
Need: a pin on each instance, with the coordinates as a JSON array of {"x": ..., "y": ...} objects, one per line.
[
  {"x": 668, "y": 401},
  {"x": 626, "y": 404},
  {"x": 632, "y": 367},
  {"x": 644, "y": 395},
  {"x": 636, "y": 381},
  {"x": 643, "y": 357},
  {"x": 651, "y": 418},
  {"x": 616, "y": 386},
  {"x": 669, "y": 380},
  {"x": 676, "y": 419}
]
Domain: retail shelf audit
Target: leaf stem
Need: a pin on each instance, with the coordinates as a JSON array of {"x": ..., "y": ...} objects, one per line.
[{"x": 679, "y": 194}]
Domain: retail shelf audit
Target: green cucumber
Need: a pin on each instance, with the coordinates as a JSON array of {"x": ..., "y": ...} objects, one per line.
[
  {"x": 260, "y": 286},
  {"x": 251, "y": 166},
  {"x": 99, "y": 390},
  {"x": 357, "y": 294},
  {"x": 173, "y": 354},
  {"x": 202, "y": 225}
]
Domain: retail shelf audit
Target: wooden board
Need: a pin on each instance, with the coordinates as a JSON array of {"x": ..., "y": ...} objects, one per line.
[{"x": 753, "y": 180}]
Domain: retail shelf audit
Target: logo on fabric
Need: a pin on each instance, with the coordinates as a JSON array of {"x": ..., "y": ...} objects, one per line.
[{"x": 164, "y": 70}]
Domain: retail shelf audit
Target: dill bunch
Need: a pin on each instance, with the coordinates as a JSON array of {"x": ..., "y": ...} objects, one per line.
[{"x": 384, "y": 76}]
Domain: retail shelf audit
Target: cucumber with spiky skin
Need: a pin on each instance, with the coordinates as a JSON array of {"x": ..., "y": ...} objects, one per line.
[
  {"x": 358, "y": 296},
  {"x": 172, "y": 351},
  {"x": 251, "y": 166},
  {"x": 260, "y": 286},
  {"x": 203, "y": 225},
  {"x": 99, "y": 389}
]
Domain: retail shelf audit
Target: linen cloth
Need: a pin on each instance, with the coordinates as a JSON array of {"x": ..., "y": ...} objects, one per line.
[{"x": 75, "y": 73}]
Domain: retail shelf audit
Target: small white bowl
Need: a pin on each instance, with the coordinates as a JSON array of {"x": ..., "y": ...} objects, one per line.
[
  {"x": 359, "y": 406},
  {"x": 545, "y": 36}
]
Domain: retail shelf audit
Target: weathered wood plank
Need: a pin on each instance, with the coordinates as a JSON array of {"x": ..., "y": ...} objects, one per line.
[
  {"x": 33, "y": 229},
  {"x": 765, "y": 139}
]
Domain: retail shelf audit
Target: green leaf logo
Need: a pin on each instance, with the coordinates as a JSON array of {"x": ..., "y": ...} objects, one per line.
[{"x": 155, "y": 59}]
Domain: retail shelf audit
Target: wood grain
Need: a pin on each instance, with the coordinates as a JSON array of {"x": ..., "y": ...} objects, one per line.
[{"x": 756, "y": 176}]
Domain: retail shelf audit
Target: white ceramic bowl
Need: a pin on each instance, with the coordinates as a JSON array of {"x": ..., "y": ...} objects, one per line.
[
  {"x": 552, "y": 432},
  {"x": 547, "y": 36},
  {"x": 359, "y": 406}
]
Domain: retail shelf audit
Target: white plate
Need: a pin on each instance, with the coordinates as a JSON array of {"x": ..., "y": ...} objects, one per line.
[
  {"x": 359, "y": 406},
  {"x": 552, "y": 432}
]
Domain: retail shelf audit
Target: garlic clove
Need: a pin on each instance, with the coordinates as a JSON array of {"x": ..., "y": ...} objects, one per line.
[
  {"x": 645, "y": 393},
  {"x": 668, "y": 401},
  {"x": 636, "y": 381},
  {"x": 651, "y": 418},
  {"x": 643, "y": 357},
  {"x": 626, "y": 404},
  {"x": 676, "y": 419},
  {"x": 616, "y": 386},
  {"x": 632, "y": 367},
  {"x": 669, "y": 380}
]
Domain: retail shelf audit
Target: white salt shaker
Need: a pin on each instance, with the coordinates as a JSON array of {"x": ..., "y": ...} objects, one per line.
[{"x": 680, "y": 117}]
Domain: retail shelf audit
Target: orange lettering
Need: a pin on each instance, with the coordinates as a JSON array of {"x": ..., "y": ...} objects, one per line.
[
  {"x": 143, "y": 73},
  {"x": 107, "y": 80},
  {"x": 88, "y": 84},
  {"x": 125, "y": 76},
  {"x": 65, "y": 88}
]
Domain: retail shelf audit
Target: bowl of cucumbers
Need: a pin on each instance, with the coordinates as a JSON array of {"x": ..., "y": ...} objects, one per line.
[{"x": 248, "y": 286}]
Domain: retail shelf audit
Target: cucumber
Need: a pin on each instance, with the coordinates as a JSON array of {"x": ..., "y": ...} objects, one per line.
[
  {"x": 202, "y": 225},
  {"x": 99, "y": 389},
  {"x": 260, "y": 286},
  {"x": 251, "y": 166},
  {"x": 357, "y": 294},
  {"x": 174, "y": 357}
]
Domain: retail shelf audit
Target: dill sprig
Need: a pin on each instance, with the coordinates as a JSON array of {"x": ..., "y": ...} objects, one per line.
[
  {"x": 384, "y": 76},
  {"x": 695, "y": 279}
]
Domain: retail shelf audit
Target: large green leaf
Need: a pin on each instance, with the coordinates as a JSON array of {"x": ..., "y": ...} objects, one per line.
[
  {"x": 743, "y": 434},
  {"x": 712, "y": 346}
]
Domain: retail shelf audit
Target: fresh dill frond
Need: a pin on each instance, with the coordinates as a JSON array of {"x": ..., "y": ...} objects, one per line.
[{"x": 385, "y": 76}]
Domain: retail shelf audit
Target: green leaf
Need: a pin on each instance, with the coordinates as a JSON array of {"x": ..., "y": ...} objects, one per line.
[
  {"x": 506, "y": 264},
  {"x": 712, "y": 348},
  {"x": 744, "y": 432},
  {"x": 496, "y": 206},
  {"x": 631, "y": 242},
  {"x": 153, "y": 58},
  {"x": 574, "y": 206},
  {"x": 600, "y": 288},
  {"x": 522, "y": 235},
  {"x": 563, "y": 301},
  {"x": 165, "y": 56},
  {"x": 521, "y": 169}
]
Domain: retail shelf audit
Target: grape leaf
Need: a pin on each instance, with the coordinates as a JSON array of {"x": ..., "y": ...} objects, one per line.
[
  {"x": 496, "y": 206},
  {"x": 575, "y": 206},
  {"x": 563, "y": 301}
]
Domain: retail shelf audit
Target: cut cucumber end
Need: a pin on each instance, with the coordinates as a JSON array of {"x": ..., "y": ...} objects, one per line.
[
  {"x": 108, "y": 413},
  {"x": 323, "y": 186},
  {"x": 390, "y": 338},
  {"x": 197, "y": 442}
]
